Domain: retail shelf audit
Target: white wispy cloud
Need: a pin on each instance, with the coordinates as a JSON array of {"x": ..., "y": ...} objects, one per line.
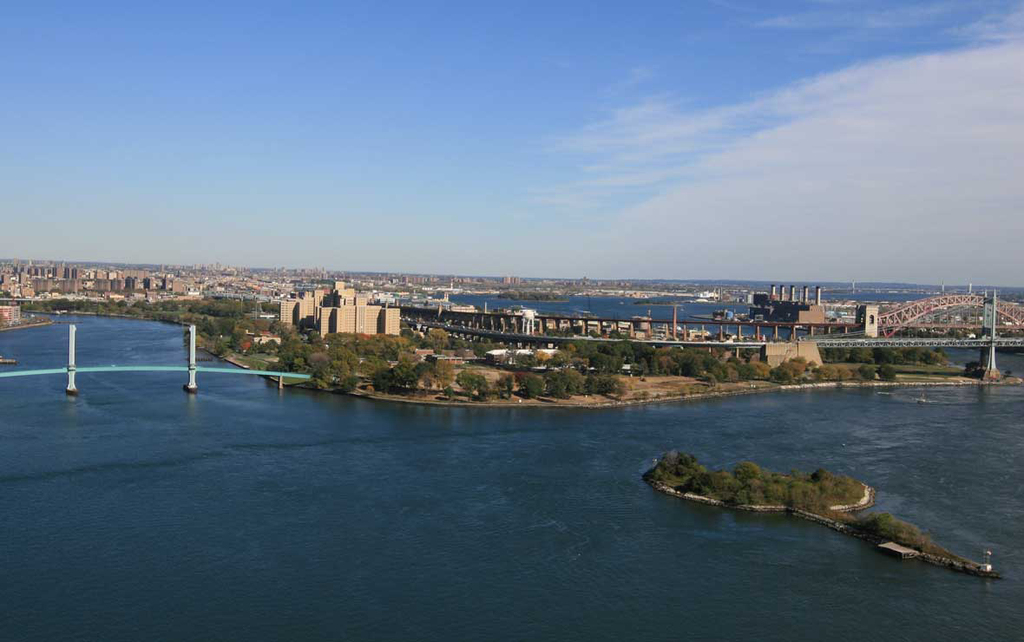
[
  {"x": 888, "y": 18},
  {"x": 998, "y": 27},
  {"x": 902, "y": 166}
]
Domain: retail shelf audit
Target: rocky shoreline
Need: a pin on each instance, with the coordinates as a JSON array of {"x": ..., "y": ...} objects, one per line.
[
  {"x": 711, "y": 394},
  {"x": 867, "y": 501},
  {"x": 23, "y": 326}
]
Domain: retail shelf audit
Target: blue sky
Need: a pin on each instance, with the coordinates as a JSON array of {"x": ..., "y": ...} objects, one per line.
[{"x": 825, "y": 139}]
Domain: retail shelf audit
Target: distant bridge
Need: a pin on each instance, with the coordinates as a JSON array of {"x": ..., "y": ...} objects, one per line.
[
  {"x": 911, "y": 315},
  {"x": 911, "y": 342},
  {"x": 521, "y": 328},
  {"x": 906, "y": 315},
  {"x": 191, "y": 369},
  {"x": 888, "y": 323}
]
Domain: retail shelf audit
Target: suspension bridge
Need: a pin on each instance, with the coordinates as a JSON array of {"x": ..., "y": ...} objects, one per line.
[{"x": 191, "y": 369}]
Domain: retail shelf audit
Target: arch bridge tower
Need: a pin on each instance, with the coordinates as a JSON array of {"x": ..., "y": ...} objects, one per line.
[
  {"x": 867, "y": 317},
  {"x": 988, "y": 353}
]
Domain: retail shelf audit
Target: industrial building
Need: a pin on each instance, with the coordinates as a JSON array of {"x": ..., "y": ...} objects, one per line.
[{"x": 794, "y": 308}]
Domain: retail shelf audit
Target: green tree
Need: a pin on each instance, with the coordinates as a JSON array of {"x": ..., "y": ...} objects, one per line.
[
  {"x": 443, "y": 373},
  {"x": 861, "y": 355},
  {"x": 437, "y": 339},
  {"x": 563, "y": 384},
  {"x": 973, "y": 369},
  {"x": 604, "y": 384},
  {"x": 473, "y": 384},
  {"x": 867, "y": 372},
  {"x": 887, "y": 373},
  {"x": 382, "y": 380},
  {"x": 827, "y": 372},
  {"x": 531, "y": 386},
  {"x": 405, "y": 374},
  {"x": 506, "y": 385},
  {"x": 746, "y": 471},
  {"x": 782, "y": 375}
]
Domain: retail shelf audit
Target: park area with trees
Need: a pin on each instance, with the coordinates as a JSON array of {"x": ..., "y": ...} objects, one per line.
[{"x": 618, "y": 370}]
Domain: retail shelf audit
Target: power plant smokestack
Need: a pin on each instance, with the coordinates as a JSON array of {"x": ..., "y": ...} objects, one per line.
[
  {"x": 803, "y": 299},
  {"x": 792, "y": 293},
  {"x": 817, "y": 295}
]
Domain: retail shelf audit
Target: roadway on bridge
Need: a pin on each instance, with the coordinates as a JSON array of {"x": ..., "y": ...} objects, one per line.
[
  {"x": 543, "y": 338},
  {"x": 80, "y": 369},
  {"x": 910, "y": 342}
]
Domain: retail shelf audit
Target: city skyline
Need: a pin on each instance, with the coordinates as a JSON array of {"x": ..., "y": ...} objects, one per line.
[
  {"x": 863, "y": 140},
  {"x": 327, "y": 272}
]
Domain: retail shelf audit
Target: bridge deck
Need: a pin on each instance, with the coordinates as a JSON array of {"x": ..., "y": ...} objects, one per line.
[
  {"x": 747, "y": 342},
  {"x": 80, "y": 369},
  {"x": 910, "y": 342}
]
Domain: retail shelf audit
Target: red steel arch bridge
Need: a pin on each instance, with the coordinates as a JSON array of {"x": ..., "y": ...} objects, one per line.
[{"x": 910, "y": 314}]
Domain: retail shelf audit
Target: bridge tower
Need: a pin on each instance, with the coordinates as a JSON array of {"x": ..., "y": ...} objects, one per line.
[
  {"x": 867, "y": 315},
  {"x": 191, "y": 386},
  {"x": 71, "y": 390},
  {"x": 988, "y": 353}
]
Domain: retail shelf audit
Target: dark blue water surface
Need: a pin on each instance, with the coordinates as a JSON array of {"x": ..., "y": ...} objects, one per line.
[{"x": 136, "y": 512}]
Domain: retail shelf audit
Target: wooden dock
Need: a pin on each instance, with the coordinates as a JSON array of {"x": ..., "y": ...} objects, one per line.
[{"x": 902, "y": 552}]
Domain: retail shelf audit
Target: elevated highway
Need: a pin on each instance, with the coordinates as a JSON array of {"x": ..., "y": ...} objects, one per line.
[
  {"x": 539, "y": 339},
  {"x": 523, "y": 322}
]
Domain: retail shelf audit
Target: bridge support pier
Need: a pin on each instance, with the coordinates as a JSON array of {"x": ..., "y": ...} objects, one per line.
[
  {"x": 988, "y": 360},
  {"x": 71, "y": 390},
  {"x": 191, "y": 386}
]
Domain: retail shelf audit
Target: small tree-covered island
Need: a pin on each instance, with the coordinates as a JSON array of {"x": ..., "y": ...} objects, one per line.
[{"x": 821, "y": 496}]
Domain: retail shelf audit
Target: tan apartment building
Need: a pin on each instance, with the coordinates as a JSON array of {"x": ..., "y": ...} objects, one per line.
[
  {"x": 302, "y": 311},
  {"x": 341, "y": 310},
  {"x": 359, "y": 319}
]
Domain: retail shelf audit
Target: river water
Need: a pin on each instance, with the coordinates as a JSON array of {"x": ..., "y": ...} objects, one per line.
[{"x": 136, "y": 512}]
